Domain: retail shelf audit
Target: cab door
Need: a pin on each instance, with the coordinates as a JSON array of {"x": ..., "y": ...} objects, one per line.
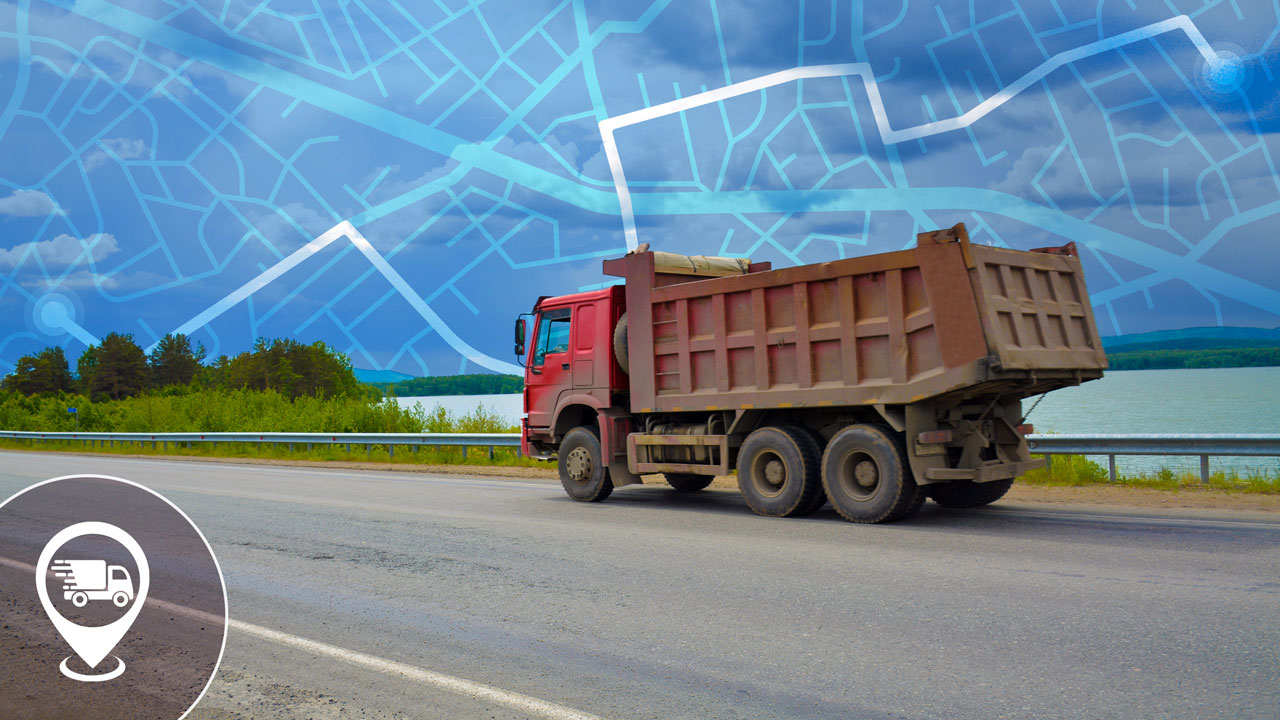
[
  {"x": 584, "y": 338},
  {"x": 549, "y": 366}
]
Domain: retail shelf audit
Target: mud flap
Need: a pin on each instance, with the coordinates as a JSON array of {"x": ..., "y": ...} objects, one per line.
[{"x": 615, "y": 425}]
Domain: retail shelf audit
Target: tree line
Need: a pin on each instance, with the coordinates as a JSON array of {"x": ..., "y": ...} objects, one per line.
[
  {"x": 1178, "y": 359},
  {"x": 118, "y": 368},
  {"x": 481, "y": 384}
]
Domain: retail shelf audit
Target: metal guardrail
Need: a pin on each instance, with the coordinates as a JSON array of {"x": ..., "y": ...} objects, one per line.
[
  {"x": 1203, "y": 445},
  {"x": 368, "y": 440}
]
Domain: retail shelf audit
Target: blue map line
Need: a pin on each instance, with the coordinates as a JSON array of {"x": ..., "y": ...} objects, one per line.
[
  {"x": 342, "y": 104},
  {"x": 991, "y": 201},
  {"x": 24, "y": 68},
  {"x": 795, "y": 201}
]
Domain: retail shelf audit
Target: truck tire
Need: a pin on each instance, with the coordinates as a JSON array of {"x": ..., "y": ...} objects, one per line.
[
  {"x": 583, "y": 475},
  {"x": 967, "y": 494},
  {"x": 866, "y": 475},
  {"x": 921, "y": 492},
  {"x": 620, "y": 344},
  {"x": 80, "y": 599},
  {"x": 819, "y": 497},
  {"x": 688, "y": 482},
  {"x": 778, "y": 471}
]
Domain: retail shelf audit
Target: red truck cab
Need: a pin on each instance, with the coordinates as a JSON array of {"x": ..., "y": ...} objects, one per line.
[{"x": 570, "y": 371}]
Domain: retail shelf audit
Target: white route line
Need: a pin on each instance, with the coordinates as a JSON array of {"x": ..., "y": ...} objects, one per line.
[
  {"x": 346, "y": 230},
  {"x": 887, "y": 133},
  {"x": 479, "y": 691}
]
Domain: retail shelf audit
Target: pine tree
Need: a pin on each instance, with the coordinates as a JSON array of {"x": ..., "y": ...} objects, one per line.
[
  {"x": 46, "y": 372},
  {"x": 121, "y": 368},
  {"x": 173, "y": 362}
]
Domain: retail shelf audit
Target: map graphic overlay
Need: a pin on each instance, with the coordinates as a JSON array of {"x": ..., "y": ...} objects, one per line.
[{"x": 401, "y": 179}]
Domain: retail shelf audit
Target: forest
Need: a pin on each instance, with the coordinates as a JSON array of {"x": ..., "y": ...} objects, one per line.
[{"x": 454, "y": 385}]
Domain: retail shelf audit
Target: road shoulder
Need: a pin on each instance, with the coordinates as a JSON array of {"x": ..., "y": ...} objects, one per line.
[{"x": 1095, "y": 497}]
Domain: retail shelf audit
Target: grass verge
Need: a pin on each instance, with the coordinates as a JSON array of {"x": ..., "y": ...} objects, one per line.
[
  {"x": 250, "y": 411},
  {"x": 402, "y": 455},
  {"x": 1080, "y": 471}
]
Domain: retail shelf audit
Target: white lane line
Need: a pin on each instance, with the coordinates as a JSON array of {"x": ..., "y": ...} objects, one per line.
[{"x": 479, "y": 691}]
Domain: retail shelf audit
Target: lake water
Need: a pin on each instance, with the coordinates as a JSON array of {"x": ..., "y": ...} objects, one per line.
[
  {"x": 1214, "y": 400},
  {"x": 510, "y": 407}
]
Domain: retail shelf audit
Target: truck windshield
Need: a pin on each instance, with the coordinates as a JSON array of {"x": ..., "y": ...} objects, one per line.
[{"x": 553, "y": 335}]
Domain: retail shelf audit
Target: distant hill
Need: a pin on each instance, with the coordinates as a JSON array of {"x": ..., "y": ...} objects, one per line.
[
  {"x": 1193, "y": 337},
  {"x": 1204, "y": 347},
  {"x": 486, "y": 384},
  {"x": 380, "y": 376}
]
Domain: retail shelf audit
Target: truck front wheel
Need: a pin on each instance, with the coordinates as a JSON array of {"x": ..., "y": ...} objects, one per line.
[
  {"x": 778, "y": 471},
  {"x": 584, "y": 477},
  {"x": 866, "y": 476}
]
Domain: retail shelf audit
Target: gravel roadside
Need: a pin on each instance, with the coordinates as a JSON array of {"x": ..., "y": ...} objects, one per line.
[{"x": 1092, "y": 495}]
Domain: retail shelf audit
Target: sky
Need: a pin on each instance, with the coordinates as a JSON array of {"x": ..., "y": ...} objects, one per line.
[{"x": 400, "y": 180}]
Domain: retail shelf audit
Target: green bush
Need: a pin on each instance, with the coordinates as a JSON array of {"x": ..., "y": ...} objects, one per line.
[{"x": 193, "y": 409}]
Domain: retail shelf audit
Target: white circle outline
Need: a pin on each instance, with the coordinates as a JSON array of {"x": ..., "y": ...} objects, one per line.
[{"x": 226, "y": 606}]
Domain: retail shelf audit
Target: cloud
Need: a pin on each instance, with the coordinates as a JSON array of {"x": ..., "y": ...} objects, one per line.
[
  {"x": 28, "y": 203},
  {"x": 63, "y": 250},
  {"x": 78, "y": 280},
  {"x": 116, "y": 148}
]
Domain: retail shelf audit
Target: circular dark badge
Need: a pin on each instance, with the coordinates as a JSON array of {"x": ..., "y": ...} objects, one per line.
[{"x": 111, "y": 601}]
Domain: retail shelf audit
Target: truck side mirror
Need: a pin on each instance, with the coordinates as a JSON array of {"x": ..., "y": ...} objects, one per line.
[
  {"x": 519, "y": 350},
  {"x": 519, "y": 334}
]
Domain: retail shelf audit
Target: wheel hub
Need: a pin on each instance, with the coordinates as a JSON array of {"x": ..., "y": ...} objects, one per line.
[
  {"x": 579, "y": 464},
  {"x": 775, "y": 472},
  {"x": 866, "y": 473}
]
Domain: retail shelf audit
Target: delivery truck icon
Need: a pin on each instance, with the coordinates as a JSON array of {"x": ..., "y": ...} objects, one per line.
[{"x": 85, "y": 580}]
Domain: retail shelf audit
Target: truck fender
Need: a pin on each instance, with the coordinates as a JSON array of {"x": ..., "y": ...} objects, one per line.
[
  {"x": 588, "y": 404},
  {"x": 920, "y": 417}
]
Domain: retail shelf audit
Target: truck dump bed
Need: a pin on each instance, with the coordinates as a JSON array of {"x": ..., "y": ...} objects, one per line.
[{"x": 893, "y": 328}]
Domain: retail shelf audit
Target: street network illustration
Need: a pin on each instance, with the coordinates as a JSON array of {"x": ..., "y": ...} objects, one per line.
[{"x": 401, "y": 179}]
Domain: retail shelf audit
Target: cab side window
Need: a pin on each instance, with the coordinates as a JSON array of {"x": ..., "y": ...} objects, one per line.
[{"x": 553, "y": 335}]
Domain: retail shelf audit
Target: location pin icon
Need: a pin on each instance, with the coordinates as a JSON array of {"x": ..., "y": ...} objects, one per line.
[{"x": 93, "y": 644}]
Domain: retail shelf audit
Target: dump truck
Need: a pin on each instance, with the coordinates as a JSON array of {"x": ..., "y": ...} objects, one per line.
[
  {"x": 85, "y": 580},
  {"x": 872, "y": 383}
]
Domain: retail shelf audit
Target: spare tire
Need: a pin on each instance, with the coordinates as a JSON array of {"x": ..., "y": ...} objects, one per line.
[
  {"x": 688, "y": 482},
  {"x": 967, "y": 494},
  {"x": 620, "y": 344}
]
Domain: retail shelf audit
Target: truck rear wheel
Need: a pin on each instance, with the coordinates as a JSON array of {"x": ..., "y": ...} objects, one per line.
[
  {"x": 778, "y": 471},
  {"x": 688, "y": 482},
  {"x": 620, "y": 344},
  {"x": 866, "y": 476},
  {"x": 584, "y": 477},
  {"x": 967, "y": 494},
  {"x": 819, "y": 497}
]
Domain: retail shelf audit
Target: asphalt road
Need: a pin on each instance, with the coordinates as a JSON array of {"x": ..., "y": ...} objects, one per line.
[{"x": 657, "y": 605}]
